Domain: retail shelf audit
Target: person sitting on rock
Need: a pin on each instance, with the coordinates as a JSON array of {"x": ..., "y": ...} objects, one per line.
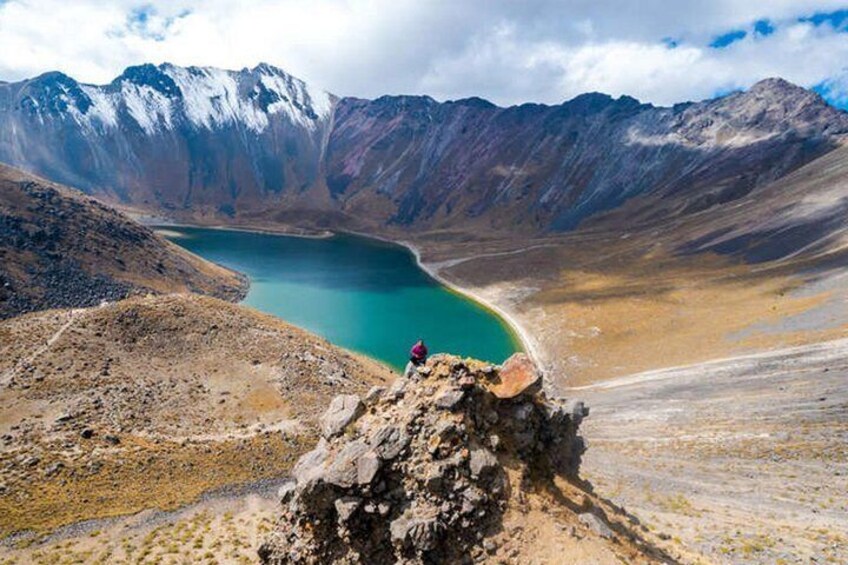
[
  {"x": 418, "y": 353},
  {"x": 417, "y": 357}
]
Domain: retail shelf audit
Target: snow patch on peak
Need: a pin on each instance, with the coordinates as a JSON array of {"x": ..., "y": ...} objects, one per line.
[
  {"x": 150, "y": 108},
  {"x": 306, "y": 95},
  {"x": 215, "y": 97},
  {"x": 211, "y": 98},
  {"x": 159, "y": 98},
  {"x": 295, "y": 100},
  {"x": 102, "y": 111}
]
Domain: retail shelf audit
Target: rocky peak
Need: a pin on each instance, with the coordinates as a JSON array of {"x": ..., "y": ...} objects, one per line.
[
  {"x": 269, "y": 69},
  {"x": 474, "y": 102},
  {"x": 414, "y": 107},
  {"x": 771, "y": 109},
  {"x": 776, "y": 87},
  {"x": 597, "y": 104},
  {"x": 157, "y": 99},
  {"x": 589, "y": 102},
  {"x": 776, "y": 98},
  {"x": 53, "y": 94},
  {"x": 152, "y": 76},
  {"x": 422, "y": 472}
]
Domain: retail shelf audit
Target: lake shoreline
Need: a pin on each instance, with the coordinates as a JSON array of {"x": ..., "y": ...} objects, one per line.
[
  {"x": 154, "y": 222},
  {"x": 522, "y": 337},
  {"x": 519, "y": 333},
  {"x": 515, "y": 333}
]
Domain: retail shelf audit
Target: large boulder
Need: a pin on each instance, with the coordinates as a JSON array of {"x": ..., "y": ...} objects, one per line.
[
  {"x": 343, "y": 410},
  {"x": 518, "y": 375}
]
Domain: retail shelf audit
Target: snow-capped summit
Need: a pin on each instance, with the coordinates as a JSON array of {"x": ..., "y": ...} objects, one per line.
[
  {"x": 242, "y": 133},
  {"x": 157, "y": 98}
]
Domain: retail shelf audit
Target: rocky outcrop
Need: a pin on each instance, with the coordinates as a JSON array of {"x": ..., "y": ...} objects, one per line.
[{"x": 425, "y": 473}]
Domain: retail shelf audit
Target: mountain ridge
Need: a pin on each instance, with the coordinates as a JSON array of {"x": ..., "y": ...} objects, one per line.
[{"x": 204, "y": 143}]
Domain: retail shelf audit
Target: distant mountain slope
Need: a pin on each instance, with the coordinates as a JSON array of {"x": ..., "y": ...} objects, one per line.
[
  {"x": 261, "y": 144},
  {"x": 168, "y": 136},
  {"x": 553, "y": 166},
  {"x": 60, "y": 248}
]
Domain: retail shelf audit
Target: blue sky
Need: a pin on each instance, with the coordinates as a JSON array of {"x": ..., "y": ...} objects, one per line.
[
  {"x": 832, "y": 88},
  {"x": 660, "y": 51}
]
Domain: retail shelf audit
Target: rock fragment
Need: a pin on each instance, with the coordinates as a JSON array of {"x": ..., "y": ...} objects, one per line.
[
  {"x": 343, "y": 410},
  {"x": 450, "y": 399},
  {"x": 517, "y": 376},
  {"x": 596, "y": 525}
]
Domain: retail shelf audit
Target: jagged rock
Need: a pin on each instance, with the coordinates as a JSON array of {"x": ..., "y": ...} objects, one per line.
[
  {"x": 310, "y": 467},
  {"x": 597, "y": 525},
  {"x": 450, "y": 399},
  {"x": 367, "y": 467},
  {"x": 343, "y": 410},
  {"x": 374, "y": 394},
  {"x": 389, "y": 441},
  {"x": 414, "y": 481},
  {"x": 482, "y": 462},
  {"x": 494, "y": 441},
  {"x": 346, "y": 506},
  {"x": 286, "y": 491},
  {"x": 343, "y": 470},
  {"x": 518, "y": 375},
  {"x": 420, "y": 533},
  {"x": 578, "y": 410},
  {"x": 398, "y": 389}
]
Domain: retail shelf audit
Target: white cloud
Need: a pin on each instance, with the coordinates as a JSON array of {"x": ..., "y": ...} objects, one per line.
[{"x": 509, "y": 52}]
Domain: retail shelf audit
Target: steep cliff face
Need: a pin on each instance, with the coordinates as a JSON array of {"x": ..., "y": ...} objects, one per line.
[
  {"x": 261, "y": 143},
  {"x": 60, "y": 248}
]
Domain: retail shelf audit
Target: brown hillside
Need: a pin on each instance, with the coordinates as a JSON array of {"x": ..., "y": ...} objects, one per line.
[
  {"x": 59, "y": 248},
  {"x": 152, "y": 401}
]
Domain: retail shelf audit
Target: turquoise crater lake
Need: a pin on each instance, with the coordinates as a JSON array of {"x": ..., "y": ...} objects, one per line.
[{"x": 359, "y": 293}]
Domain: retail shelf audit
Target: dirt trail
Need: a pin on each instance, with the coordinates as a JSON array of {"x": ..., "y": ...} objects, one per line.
[
  {"x": 72, "y": 316},
  {"x": 226, "y": 526}
]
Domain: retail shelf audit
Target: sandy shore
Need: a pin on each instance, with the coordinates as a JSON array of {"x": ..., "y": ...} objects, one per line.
[
  {"x": 161, "y": 225},
  {"x": 529, "y": 344}
]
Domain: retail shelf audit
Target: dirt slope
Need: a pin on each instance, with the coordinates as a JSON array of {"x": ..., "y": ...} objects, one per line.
[
  {"x": 744, "y": 460},
  {"x": 149, "y": 402}
]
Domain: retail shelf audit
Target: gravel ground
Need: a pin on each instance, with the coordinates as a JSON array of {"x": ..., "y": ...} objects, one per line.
[{"x": 745, "y": 459}]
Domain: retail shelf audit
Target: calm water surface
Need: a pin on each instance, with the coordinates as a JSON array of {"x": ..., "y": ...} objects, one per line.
[{"x": 358, "y": 293}]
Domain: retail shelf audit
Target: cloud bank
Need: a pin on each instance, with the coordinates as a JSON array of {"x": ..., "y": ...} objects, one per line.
[{"x": 660, "y": 51}]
